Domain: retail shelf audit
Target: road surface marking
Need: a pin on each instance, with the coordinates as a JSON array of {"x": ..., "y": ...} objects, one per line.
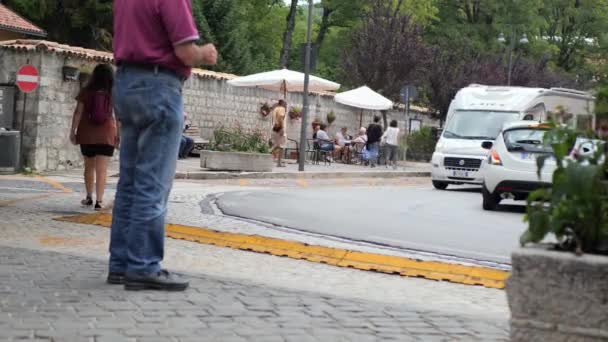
[
  {"x": 243, "y": 182},
  {"x": 301, "y": 182},
  {"x": 461, "y": 274},
  {"x": 54, "y": 184},
  {"x": 27, "y": 199},
  {"x": 50, "y": 182}
]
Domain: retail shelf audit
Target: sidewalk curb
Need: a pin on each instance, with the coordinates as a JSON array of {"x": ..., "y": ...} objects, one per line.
[
  {"x": 209, "y": 175},
  {"x": 432, "y": 270}
]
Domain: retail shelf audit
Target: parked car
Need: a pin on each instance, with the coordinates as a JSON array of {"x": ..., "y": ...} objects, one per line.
[
  {"x": 477, "y": 113},
  {"x": 510, "y": 170}
]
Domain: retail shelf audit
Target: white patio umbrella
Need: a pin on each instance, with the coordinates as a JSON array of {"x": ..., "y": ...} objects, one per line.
[
  {"x": 364, "y": 98},
  {"x": 283, "y": 80}
]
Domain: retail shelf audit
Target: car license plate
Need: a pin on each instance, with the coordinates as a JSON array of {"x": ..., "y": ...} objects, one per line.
[
  {"x": 460, "y": 174},
  {"x": 534, "y": 156},
  {"x": 528, "y": 156}
]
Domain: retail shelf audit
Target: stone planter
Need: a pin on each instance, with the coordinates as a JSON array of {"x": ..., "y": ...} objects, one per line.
[
  {"x": 236, "y": 161},
  {"x": 558, "y": 296}
]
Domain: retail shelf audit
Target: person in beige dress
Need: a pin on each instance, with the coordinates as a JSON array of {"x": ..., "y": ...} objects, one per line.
[{"x": 279, "y": 131}]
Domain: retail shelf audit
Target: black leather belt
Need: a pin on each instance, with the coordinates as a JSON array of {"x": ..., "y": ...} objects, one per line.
[{"x": 152, "y": 68}]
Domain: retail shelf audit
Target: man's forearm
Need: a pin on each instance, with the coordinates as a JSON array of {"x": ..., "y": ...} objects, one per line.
[{"x": 192, "y": 55}]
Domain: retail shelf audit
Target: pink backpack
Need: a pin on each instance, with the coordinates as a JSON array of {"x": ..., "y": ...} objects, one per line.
[{"x": 101, "y": 107}]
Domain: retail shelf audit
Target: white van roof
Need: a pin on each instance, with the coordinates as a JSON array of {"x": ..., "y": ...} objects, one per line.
[
  {"x": 503, "y": 98},
  {"x": 482, "y": 97}
]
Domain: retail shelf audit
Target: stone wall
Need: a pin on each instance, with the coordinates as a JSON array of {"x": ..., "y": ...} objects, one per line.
[
  {"x": 209, "y": 102},
  {"x": 558, "y": 296}
]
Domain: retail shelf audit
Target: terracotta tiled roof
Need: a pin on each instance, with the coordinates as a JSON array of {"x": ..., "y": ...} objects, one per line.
[
  {"x": 13, "y": 22},
  {"x": 88, "y": 54},
  {"x": 56, "y": 48}
]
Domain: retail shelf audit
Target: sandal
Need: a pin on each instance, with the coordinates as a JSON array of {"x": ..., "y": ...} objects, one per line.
[
  {"x": 99, "y": 206},
  {"x": 87, "y": 202}
]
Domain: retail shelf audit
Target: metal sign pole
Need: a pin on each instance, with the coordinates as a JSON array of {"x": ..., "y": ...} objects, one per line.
[
  {"x": 407, "y": 102},
  {"x": 21, "y": 133},
  {"x": 305, "y": 105}
]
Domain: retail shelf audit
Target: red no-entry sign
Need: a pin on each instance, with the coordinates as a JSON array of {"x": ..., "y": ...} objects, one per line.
[{"x": 27, "y": 78}]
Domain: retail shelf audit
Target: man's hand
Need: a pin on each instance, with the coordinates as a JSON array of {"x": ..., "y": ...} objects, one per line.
[
  {"x": 209, "y": 54},
  {"x": 191, "y": 54}
]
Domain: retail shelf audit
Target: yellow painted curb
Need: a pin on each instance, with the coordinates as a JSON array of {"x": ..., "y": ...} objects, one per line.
[{"x": 461, "y": 274}]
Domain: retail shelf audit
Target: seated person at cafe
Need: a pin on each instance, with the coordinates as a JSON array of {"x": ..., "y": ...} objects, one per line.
[
  {"x": 341, "y": 141},
  {"x": 361, "y": 138},
  {"x": 186, "y": 144},
  {"x": 325, "y": 143},
  {"x": 358, "y": 143}
]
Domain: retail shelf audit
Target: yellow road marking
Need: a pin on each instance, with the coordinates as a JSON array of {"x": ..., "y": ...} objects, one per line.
[
  {"x": 54, "y": 184},
  {"x": 27, "y": 199},
  {"x": 51, "y": 182},
  {"x": 301, "y": 182},
  {"x": 470, "y": 275},
  {"x": 243, "y": 182},
  {"x": 48, "y": 240}
]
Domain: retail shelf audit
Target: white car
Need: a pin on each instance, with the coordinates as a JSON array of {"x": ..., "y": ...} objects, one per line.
[{"x": 510, "y": 170}]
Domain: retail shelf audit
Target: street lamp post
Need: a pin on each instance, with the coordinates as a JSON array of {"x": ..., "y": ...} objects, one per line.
[
  {"x": 305, "y": 104},
  {"x": 502, "y": 40}
]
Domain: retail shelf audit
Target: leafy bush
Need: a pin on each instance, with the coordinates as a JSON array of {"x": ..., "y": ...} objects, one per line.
[
  {"x": 295, "y": 113},
  {"x": 575, "y": 208},
  {"x": 421, "y": 144},
  {"x": 331, "y": 117},
  {"x": 238, "y": 140}
]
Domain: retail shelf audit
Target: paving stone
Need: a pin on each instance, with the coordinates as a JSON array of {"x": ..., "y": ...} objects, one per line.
[{"x": 61, "y": 296}]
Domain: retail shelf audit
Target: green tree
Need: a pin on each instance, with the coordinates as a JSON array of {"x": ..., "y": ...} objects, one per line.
[
  {"x": 288, "y": 34},
  {"x": 265, "y": 20},
  {"x": 575, "y": 28},
  {"x": 219, "y": 22},
  {"x": 86, "y": 23}
]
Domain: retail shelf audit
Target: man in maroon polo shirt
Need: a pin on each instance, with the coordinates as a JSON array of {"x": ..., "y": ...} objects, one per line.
[{"x": 154, "y": 48}]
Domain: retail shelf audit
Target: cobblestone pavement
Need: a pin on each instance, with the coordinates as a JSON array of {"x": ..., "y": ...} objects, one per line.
[
  {"x": 58, "y": 297},
  {"x": 51, "y": 288}
]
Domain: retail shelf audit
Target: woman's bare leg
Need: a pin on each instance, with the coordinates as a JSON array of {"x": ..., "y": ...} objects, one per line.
[
  {"x": 101, "y": 171},
  {"x": 89, "y": 175}
]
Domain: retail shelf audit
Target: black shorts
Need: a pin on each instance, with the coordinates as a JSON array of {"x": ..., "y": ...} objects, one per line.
[{"x": 91, "y": 151}]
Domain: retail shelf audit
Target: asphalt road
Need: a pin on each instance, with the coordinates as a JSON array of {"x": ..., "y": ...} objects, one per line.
[{"x": 419, "y": 218}]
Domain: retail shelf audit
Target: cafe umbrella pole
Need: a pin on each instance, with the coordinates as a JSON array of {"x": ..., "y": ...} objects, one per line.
[{"x": 305, "y": 104}]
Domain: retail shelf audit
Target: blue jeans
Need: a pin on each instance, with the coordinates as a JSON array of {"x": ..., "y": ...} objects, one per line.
[
  {"x": 372, "y": 153},
  {"x": 150, "y": 110},
  {"x": 186, "y": 146}
]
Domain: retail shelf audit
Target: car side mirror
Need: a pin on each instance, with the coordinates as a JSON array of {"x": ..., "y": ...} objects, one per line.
[{"x": 487, "y": 145}]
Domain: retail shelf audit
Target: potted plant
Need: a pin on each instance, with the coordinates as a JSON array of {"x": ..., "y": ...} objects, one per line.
[
  {"x": 265, "y": 109},
  {"x": 557, "y": 290},
  {"x": 235, "y": 149},
  {"x": 331, "y": 117},
  {"x": 295, "y": 113}
]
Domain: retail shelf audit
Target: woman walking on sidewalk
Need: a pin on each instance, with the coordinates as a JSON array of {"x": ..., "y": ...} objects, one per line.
[
  {"x": 391, "y": 139},
  {"x": 96, "y": 131}
]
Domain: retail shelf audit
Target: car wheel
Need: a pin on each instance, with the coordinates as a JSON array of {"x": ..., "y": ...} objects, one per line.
[
  {"x": 440, "y": 185},
  {"x": 490, "y": 201}
]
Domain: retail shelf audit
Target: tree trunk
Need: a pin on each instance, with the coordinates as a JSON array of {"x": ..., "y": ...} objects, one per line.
[
  {"x": 384, "y": 118},
  {"x": 323, "y": 29},
  {"x": 287, "y": 36}
]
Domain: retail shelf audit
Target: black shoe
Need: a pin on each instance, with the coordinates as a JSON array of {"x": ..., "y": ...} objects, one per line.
[
  {"x": 162, "y": 280},
  {"x": 87, "y": 202},
  {"x": 116, "y": 278}
]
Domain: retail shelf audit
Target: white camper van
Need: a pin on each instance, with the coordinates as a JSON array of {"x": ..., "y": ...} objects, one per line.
[{"x": 477, "y": 114}]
